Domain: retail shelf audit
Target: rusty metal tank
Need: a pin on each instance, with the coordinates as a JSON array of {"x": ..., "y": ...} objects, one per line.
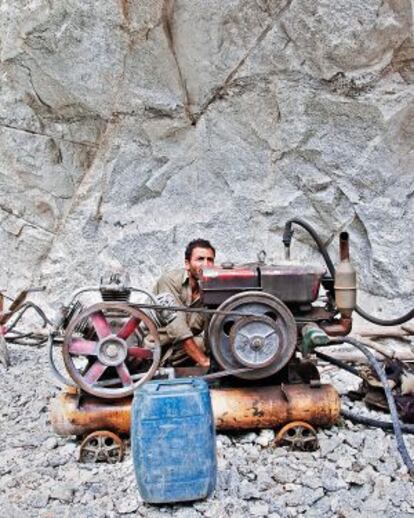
[{"x": 233, "y": 409}]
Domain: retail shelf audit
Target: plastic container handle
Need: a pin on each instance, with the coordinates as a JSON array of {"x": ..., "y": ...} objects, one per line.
[{"x": 175, "y": 383}]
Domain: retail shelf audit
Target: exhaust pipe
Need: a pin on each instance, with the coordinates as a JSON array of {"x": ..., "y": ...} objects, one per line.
[
  {"x": 345, "y": 280},
  {"x": 345, "y": 290}
]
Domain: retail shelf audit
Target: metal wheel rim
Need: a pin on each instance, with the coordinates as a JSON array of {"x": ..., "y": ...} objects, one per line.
[
  {"x": 101, "y": 452},
  {"x": 298, "y": 440},
  {"x": 79, "y": 378}
]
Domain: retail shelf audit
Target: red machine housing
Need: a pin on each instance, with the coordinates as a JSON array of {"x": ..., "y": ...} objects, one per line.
[{"x": 291, "y": 283}]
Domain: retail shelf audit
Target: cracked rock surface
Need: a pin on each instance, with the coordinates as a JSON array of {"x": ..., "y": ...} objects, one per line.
[
  {"x": 356, "y": 472},
  {"x": 129, "y": 127}
]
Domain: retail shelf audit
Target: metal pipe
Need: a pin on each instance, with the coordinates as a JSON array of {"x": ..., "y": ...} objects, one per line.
[
  {"x": 78, "y": 292},
  {"x": 341, "y": 327},
  {"x": 344, "y": 246},
  {"x": 233, "y": 408},
  {"x": 345, "y": 281}
]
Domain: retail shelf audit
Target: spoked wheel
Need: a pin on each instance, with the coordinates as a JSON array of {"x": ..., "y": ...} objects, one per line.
[
  {"x": 102, "y": 446},
  {"x": 108, "y": 360},
  {"x": 299, "y": 436}
]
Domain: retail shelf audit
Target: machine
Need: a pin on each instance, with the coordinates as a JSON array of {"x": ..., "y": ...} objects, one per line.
[{"x": 261, "y": 319}]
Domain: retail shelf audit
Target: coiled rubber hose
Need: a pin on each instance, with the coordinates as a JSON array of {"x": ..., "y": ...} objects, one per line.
[{"x": 287, "y": 237}]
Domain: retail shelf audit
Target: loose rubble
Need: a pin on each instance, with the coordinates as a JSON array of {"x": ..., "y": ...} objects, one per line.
[{"x": 356, "y": 472}]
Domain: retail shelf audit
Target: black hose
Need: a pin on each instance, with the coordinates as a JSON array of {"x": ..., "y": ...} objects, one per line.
[
  {"x": 22, "y": 311},
  {"x": 369, "y": 421},
  {"x": 37, "y": 343},
  {"x": 287, "y": 237},
  {"x": 388, "y": 394},
  {"x": 339, "y": 363},
  {"x": 27, "y": 339},
  {"x": 387, "y": 322}
]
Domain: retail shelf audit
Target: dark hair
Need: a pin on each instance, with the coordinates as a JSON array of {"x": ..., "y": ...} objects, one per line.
[{"x": 200, "y": 243}]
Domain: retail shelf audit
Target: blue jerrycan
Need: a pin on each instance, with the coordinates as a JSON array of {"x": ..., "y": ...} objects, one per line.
[{"x": 173, "y": 441}]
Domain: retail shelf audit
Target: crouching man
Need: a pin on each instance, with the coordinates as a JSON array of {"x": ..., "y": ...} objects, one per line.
[{"x": 184, "y": 333}]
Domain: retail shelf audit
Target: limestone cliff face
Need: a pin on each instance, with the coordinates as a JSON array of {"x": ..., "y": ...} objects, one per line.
[{"x": 129, "y": 127}]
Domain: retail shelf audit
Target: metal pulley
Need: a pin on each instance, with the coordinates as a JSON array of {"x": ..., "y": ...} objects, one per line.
[
  {"x": 254, "y": 341},
  {"x": 264, "y": 342},
  {"x": 113, "y": 361}
]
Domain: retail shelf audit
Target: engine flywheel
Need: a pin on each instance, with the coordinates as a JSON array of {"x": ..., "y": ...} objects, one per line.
[{"x": 264, "y": 339}]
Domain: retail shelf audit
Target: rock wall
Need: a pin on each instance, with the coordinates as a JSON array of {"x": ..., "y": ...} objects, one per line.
[{"x": 129, "y": 127}]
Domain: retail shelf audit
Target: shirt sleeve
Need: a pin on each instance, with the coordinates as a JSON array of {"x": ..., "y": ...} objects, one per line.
[{"x": 178, "y": 329}]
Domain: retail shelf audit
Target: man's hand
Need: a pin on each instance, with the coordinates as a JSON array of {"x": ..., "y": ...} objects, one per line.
[{"x": 191, "y": 348}]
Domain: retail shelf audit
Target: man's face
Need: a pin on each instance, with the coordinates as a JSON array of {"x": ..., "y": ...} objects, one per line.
[{"x": 200, "y": 258}]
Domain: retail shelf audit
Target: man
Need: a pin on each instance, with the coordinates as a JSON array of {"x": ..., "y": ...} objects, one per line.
[{"x": 185, "y": 329}]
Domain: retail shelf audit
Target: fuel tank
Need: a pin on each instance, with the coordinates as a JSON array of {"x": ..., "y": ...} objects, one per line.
[{"x": 291, "y": 283}]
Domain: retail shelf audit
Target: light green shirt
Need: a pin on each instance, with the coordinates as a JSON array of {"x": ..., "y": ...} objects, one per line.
[{"x": 184, "y": 325}]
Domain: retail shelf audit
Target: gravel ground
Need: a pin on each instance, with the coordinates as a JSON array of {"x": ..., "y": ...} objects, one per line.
[{"x": 356, "y": 472}]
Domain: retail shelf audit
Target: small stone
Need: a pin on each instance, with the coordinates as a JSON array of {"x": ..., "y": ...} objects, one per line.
[
  {"x": 248, "y": 438},
  {"x": 303, "y": 496},
  {"x": 265, "y": 438},
  {"x": 355, "y": 439},
  {"x": 369, "y": 474},
  {"x": 319, "y": 508},
  {"x": 356, "y": 479},
  {"x": 291, "y": 487},
  {"x": 331, "y": 481},
  {"x": 283, "y": 474},
  {"x": 50, "y": 443},
  {"x": 400, "y": 491},
  {"x": 211, "y": 510},
  {"x": 277, "y": 509},
  {"x": 311, "y": 479},
  {"x": 259, "y": 509},
  {"x": 347, "y": 512},
  {"x": 374, "y": 505},
  {"x": 345, "y": 462},
  {"x": 126, "y": 505},
  {"x": 68, "y": 449},
  {"x": 224, "y": 440},
  {"x": 228, "y": 480},
  {"x": 62, "y": 492},
  {"x": 371, "y": 451},
  {"x": 55, "y": 459},
  {"x": 387, "y": 466},
  {"x": 247, "y": 490},
  {"x": 222, "y": 463},
  {"x": 39, "y": 500},
  {"x": 252, "y": 451},
  {"x": 343, "y": 499},
  {"x": 263, "y": 480},
  {"x": 328, "y": 445},
  {"x": 382, "y": 485}
]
